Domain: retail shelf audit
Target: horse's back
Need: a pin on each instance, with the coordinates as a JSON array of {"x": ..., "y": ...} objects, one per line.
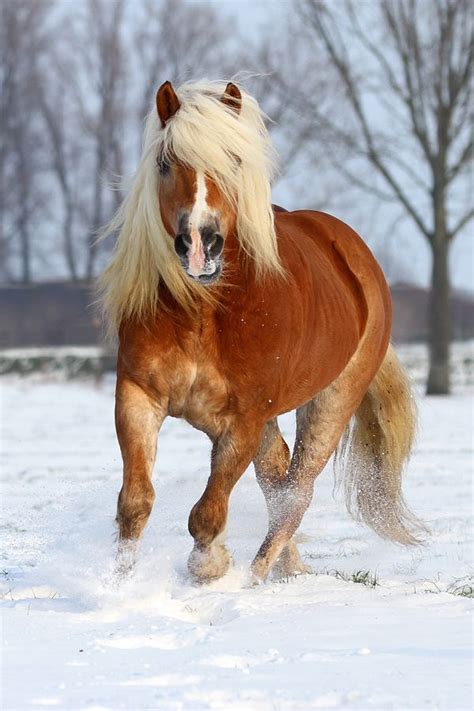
[
  {"x": 337, "y": 257},
  {"x": 320, "y": 231}
]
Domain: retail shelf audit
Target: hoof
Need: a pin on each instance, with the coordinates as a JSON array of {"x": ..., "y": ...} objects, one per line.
[
  {"x": 289, "y": 563},
  {"x": 207, "y": 564},
  {"x": 258, "y": 571},
  {"x": 125, "y": 560},
  {"x": 255, "y": 581},
  {"x": 281, "y": 572},
  {"x": 122, "y": 571}
]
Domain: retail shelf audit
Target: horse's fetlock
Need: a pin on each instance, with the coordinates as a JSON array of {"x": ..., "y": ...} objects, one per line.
[
  {"x": 206, "y": 520},
  {"x": 134, "y": 508}
]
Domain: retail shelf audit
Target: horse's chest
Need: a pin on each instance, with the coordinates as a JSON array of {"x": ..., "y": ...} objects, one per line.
[{"x": 198, "y": 394}]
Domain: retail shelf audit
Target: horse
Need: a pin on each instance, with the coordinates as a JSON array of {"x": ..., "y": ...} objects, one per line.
[{"x": 230, "y": 312}]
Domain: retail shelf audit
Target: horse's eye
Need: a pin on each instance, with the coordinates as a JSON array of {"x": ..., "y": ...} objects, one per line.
[
  {"x": 237, "y": 163},
  {"x": 163, "y": 166}
]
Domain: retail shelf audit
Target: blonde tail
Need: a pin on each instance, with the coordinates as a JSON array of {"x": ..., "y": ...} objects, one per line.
[{"x": 374, "y": 450}]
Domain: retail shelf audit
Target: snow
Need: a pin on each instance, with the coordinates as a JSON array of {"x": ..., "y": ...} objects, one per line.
[
  {"x": 52, "y": 352},
  {"x": 72, "y": 639}
]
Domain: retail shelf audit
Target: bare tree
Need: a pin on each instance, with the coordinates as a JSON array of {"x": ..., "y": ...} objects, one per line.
[
  {"x": 24, "y": 39},
  {"x": 100, "y": 88},
  {"x": 402, "y": 71},
  {"x": 270, "y": 63},
  {"x": 56, "y": 102}
]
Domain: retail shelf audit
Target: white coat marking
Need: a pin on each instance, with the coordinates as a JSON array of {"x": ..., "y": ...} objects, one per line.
[
  {"x": 200, "y": 207},
  {"x": 199, "y": 212}
]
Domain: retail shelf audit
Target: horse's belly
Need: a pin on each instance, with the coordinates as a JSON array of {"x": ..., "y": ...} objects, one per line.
[{"x": 314, "y": 374}]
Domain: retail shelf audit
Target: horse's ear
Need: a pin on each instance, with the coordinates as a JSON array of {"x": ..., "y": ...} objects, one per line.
[
  {"x": 232, "y": 97},
  {"x": 167, "y": 103}
]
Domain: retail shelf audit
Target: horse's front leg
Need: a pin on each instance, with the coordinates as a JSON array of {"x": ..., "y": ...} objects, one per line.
[
  {"x": 137, "y": 420},
  {"x": 231, "y": 455}
]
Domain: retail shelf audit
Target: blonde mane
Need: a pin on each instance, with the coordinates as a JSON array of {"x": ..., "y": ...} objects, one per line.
[{"x": 207, "y": 135}]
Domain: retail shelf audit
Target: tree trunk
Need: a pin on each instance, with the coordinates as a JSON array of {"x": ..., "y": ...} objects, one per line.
[
  {"x": 97, "y": 214},
  {"x": 25, "y": 251},
  {"x": 92, "y": 238},
  {"x": 68, "y": 243},
  {"x": 439, "y": 320}
]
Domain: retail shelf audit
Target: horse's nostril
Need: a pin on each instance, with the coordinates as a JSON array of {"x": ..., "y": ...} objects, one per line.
[
  {"x": 216, "y": 245},
  {"x": 181, "y": 245},
  {"x": 203, "y": 254}
]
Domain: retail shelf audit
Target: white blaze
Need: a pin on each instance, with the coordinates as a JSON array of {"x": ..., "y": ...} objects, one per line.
[
  {"x": 200, "y": 207},
  {"x": 196, "y": 220}
]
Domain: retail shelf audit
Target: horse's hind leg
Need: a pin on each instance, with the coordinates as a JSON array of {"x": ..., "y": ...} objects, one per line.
[
  {"x": 320, "y": 424},
  {"x": 271, "y": 467}
]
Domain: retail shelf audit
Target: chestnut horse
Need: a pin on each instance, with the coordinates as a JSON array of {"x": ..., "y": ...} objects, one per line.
[{"x": 231, "y": 312}]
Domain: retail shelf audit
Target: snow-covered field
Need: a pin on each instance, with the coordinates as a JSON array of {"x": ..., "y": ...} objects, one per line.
[{"x": 72, "y": 640}]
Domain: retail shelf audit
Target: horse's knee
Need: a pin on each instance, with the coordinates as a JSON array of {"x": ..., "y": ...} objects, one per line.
[
  {"x": 208, "y": 518},
  {"x": 134, "y": 508}
]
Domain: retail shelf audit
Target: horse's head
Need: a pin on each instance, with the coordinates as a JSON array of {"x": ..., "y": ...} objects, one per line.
[{"x": 194, "y": 211}]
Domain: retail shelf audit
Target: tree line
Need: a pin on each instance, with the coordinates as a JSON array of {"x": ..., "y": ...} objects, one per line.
[{"x": 371, "y": 104}]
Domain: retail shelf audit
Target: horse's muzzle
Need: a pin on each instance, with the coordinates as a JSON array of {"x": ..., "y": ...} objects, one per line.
[{"x": 200, "y": 253}]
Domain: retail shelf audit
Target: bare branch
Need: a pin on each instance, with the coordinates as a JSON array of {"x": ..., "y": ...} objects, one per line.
[
  {"x": 338, "y": 54},
  {"x": 461, "y": 223}
]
